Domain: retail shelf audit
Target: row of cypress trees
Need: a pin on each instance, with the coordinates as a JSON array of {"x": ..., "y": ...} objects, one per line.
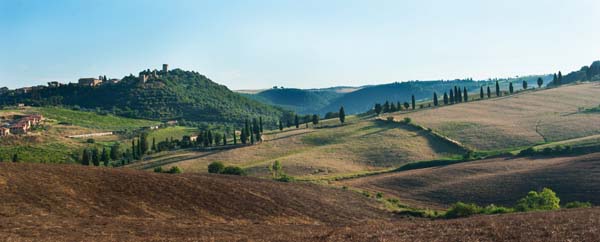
[{"x": 314, "y": 119}]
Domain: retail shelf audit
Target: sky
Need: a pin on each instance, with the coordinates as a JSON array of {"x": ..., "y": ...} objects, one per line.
[{"x": 256, "y": 44}]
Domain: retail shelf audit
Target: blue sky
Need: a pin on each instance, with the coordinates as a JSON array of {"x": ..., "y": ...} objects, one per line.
[{"x": 258, "y": 44}]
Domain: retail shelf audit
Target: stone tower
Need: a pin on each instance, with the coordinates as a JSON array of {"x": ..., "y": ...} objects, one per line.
[{"x": 165, "y": 68}]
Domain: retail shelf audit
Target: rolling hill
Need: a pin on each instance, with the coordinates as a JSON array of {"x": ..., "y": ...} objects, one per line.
[
  {"x": 42, "y": 202},
  {"x": 361, "y": 99},
  {"x": 519, "y": 120},
  {"x": 325, "y": 150},
  {"x": 175, "y": 95},
  {"x": 298, "y": 100},
  {"x": 500, "y": 181}
]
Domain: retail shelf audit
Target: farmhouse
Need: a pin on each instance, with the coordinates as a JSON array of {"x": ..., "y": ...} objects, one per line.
[{"x": 22, "y": 126}]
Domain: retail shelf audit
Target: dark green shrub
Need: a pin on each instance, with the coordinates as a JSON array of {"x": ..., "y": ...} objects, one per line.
[
  {"x": 158, "y": 169},
  {"x": 578, "y": 205},
  {"x": 527, "y": 152},
  {"x": 216, "y": 167},
  {"x": 90, "y": 141},
  {"x": 233, "y": 170},
  {"x": 407, "y": 120},
  {"x": 460, "y": 210},
  {"x": 379, "y": 195}
]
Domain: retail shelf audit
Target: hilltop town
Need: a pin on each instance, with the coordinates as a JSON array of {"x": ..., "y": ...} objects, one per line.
[{"x": 143, "y": 77}]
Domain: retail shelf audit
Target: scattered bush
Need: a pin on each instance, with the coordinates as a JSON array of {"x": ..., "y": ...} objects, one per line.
[
  {"x": 285, "y": 178},
  {"x": 158, "y": 169},
  {"x": 216, "y": 167},
  {"x": 379, "y": 195},
  {"x": 578, "y": 205},
  {"x": 544, "y": 200},
  {"x": 366, "y": 194},
  {"x": 233, "y": 170},
  {"x": 493, "y": 209},
  {"x": 460, "y": 210},
  {"x": 407, "y": 120},
  {"x": 175, "y": 170},
  {"x": 90, "y": 141}
]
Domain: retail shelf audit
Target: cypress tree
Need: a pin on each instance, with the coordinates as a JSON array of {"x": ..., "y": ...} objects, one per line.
[
  {"x": 489, "y": 92},
  {"x": 95, "y": 157},
  {"x": 481, "y": 92},
  {"x": 315, "y": 119},
  {"x": 457, "y": 96},
  {"x": 115, "y": 151},
  {"x": 392, "y": 107},
  {"x": 247, "y": 127},
  {"x": 260, "y": 122},
  {"x": 466, "y": 94},
  {"x": 451, "y": 96},
  {"x": 399, "y": 106},
  {"x": 413, "y": 101},
  {"x": 435, "y": 99},
  {"x": 524, "y": 85},
  {"x": 497, "y": 89},
  {"x": 104, "y": 157},
  {"x": 540, "y": 82},
  {"x": 555, "y": 79},
  {"x": 15, "y": 158},
  {"x": 207, "y": 140},
  {"x": 154, "y": 144},
  {"x": 234, "y": 138},
  {"x": 280, "y": 125},
  {"x": 386, "y": 107},
  {"x": 143, "y": 142},
  {"x": 510, "y": 88},
  {"x": 445, "y": 98},
  {"x": 559, "y": 78},
  {"x": 342, "y": 115},
  {"x": 251, "y": 139},
  {"x": 378, "y": 108},
  {"x": 85, "y": 158},
  {"x": 255, "y": 127},
  {"x": 224, "y": 139},
  {"x": 296, "y": 122},
  {"x": 210, "y": 138},
  {"x": 133, "y": 149}
]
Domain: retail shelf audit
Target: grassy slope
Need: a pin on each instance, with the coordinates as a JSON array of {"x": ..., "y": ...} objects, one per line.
[
  {"x": 49, "y": 144},
  {"x": 359, "y": 146},
  {"x": 517, "y": 120}
]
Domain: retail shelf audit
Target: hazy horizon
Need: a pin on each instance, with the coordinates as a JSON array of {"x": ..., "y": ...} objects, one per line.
[{"x": 308, "y": 44}]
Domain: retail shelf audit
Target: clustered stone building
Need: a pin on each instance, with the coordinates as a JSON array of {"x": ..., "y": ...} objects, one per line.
[{"x": 22, "y": 125}]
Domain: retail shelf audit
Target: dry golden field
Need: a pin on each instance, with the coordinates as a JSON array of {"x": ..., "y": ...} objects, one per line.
[
  {"x": 499, "y": 181},
  {"x": 518, "y": 120},
  {"x": 361, "y": 146}
]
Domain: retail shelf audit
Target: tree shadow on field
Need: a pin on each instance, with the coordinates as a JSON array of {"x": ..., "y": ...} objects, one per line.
[{"x": 178, "y": 159}]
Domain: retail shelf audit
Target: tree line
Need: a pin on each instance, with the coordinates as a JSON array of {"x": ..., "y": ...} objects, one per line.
[{"x": 455, "y": 95}]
